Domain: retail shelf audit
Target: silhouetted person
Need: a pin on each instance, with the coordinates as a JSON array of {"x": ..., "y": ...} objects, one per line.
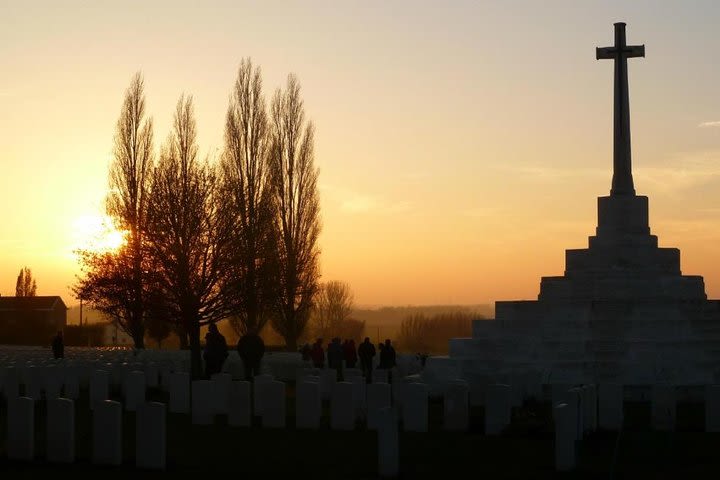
[
  {"x": 366, "y": 352},
  {"x": 387, "y": 356},
  {"x": 58, "y": 347},
  {"x": 251, "y": 349},
  {"x": 216, "y": 350},
  {"x": 350, "y": 352},
  {"x": 318, "y": 354},
  {"x": 336, "y": 356}
]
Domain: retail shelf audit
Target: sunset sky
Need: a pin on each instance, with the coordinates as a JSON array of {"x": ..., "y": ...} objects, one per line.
[{"x": 461, "y": 145}]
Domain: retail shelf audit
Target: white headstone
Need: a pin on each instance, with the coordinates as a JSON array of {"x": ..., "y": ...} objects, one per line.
[
  {"x": 99, "y": 387},
  {"x": 610, "y": 406},
  {"x": 203, "y": 406},
  {"x": 273, "y": 410},
  {"x": 150, "y": 436},
  {"x": 134, "y": 390},
  {"x": 71, "y": 384},
  {"x": 60, "y": 430},
  {"x": 379, "y": 375},
  {"x": 328, "y": 378},
  {"x": 456, "y": 406},
  {"x": 342, "y": 406},
  {"x": 575, "y": 398},
  {"x": 53, "y": 380},
  {"x": 712, "y": 408},
  {"x": 558, "y": 393},
  {"x": 240, "y": 414},
  {"x": 11, "y": 383},
  {"x": 498, "y": 409},
  {"x": 152, "y": 375},
  {"x": 107, "y": 433},
  {"x": 179, "y": 386},
  {"x": 359, "y": 395},
  {"x": 221, "y": 392},
  {"x": 236, "y": 369},
  {"x": 378, "y": 397},
  {"x": 388, "y": 449},
  {"x": 20, "y": 428},
  {"x": 415, "y": 407},
  {"x": 590, "y": 408},
  {"x": 34, "y": 382},
  {"x": 565, "y": 437},
  {"x": 258, "y": 400},
  {"x": 308, "y": 404},
  {"x": 664, "y": 403}
]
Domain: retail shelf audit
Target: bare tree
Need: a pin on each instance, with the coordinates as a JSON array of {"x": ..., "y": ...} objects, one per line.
[
  {"x": 333, "y": 307},
  {"x": 247, "y": 191},
  {"x": 297, "y": 221},
  {"x": 25, "y": 286},
  {"x": 126, "y": 203},
  {"x": 188, "y": 232}
]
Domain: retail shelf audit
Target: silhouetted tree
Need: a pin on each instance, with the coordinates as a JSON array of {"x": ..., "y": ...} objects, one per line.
[
  {"x": 297, "y": 220},
  {"x": 333, "y": 307},
  {"x": 106, "y": 285},
  {"x": 25, "y": 285},
  {"x": 158, "y": 321},
  {"x": 247, "y": 191},
  {"x": 188, "y": 232},
  {"x": 126, "y": 204}
]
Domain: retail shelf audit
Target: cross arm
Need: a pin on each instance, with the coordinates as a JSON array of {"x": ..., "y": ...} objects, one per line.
[
  {"x": 634, "y": 51},
  {"x": 605, "y": 52}
]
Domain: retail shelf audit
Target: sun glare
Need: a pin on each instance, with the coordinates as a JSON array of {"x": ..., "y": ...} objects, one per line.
[{"x": 97, "y": 233}]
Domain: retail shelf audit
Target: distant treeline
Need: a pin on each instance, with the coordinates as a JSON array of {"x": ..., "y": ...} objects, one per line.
[{"x": 421, "y": 329}]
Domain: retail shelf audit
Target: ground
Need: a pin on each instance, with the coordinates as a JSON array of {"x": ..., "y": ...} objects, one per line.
[{"x": 524, "y": 451}]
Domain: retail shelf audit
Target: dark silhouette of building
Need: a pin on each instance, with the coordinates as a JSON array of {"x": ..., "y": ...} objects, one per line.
[{"x": 31, "y": 320}]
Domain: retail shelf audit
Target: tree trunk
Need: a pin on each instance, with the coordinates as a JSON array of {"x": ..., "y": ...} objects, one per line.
[
  {"x": 139, "y": 339},
  {"x": 195, "y": 353},
  {"x": 291, "y": 343},
  {"x": 183, "y": 337}
]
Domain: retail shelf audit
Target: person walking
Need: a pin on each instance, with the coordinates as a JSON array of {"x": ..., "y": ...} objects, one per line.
[
  {"x": 251, "y": 349},
  {"x": 58, "y": 346},
  {"x": 216, "y": 351},
  {"x": 366, "y": 352},
  {"x": 351, "y": 356},
  {"x": 335, "y": 356},
  {"x": 318, "y": 354}
]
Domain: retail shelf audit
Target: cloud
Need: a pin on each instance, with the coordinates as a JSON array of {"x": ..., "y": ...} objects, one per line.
[
  {"x": 684, "y": 171},
  {"x": 359, "y": 203},
  {"x": 709, "y": 124}
]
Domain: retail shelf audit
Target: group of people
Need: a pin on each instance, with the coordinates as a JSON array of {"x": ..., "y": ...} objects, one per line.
[
  {"x": 338, "y": 352},
  {"x": 250, "y": 347}
]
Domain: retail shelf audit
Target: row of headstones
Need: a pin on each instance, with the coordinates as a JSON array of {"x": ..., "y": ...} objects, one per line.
[
  {"x": 350, "y": 400},
  {"x": 580, "y": 410},
  {"x": 150, "y": 433}
]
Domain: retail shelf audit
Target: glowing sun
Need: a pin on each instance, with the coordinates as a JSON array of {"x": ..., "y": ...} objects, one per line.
[{"x": 97, "y": 233}]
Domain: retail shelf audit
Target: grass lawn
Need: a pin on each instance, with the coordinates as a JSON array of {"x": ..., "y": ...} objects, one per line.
[{"x": 524, "y": 451}]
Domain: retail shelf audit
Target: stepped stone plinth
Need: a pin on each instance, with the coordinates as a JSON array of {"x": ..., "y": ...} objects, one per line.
[{"x": 623, "y": 312}]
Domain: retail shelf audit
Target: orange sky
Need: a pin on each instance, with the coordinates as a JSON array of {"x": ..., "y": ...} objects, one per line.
[{"x": 461, "y": 146}]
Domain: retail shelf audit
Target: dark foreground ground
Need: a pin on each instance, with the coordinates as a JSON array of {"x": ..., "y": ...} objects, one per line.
[{"x": 524, "y": 451}]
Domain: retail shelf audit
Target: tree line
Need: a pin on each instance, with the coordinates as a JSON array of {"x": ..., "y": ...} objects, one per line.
[{"x": 234, "y": 237}]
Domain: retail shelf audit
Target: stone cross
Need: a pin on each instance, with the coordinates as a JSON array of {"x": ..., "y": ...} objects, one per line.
[{"x": 622, "y": 181}]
